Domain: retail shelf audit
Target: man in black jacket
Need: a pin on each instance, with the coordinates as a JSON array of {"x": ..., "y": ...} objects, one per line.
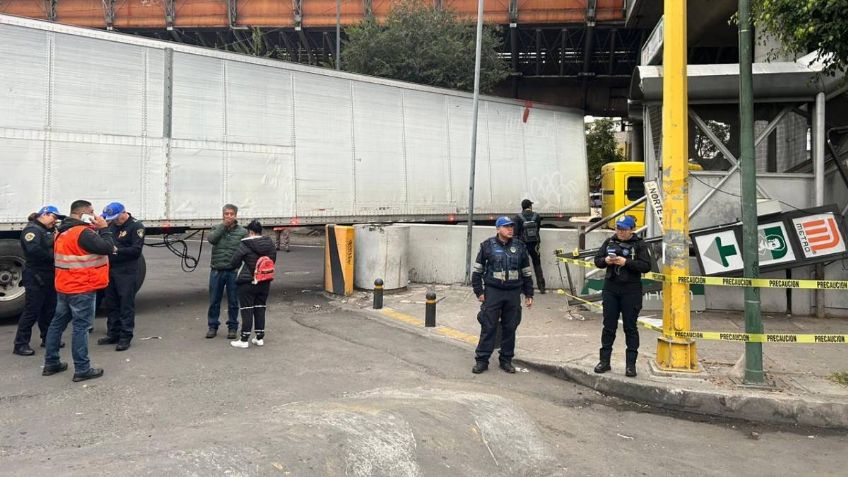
[
  {"x": 528, "y": 229},
  {"x": 501, "y": 273},
  {"x": 40, "y": 305},
  {"x": 625, "y": 258},
  {"x": 119, "y": 300}
]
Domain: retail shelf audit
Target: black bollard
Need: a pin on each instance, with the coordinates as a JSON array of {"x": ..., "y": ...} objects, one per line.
[
  {"x": 430, "y": 313},
  {"x": 378, "y": 294}
]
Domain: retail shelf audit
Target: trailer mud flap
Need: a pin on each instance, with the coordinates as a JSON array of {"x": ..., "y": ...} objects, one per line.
[{"x": 338, "y": 260}]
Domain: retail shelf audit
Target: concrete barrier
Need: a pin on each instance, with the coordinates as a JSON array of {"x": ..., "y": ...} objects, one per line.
[
  {"x": 437, "y": 255},
  {"x": 381, "y": 252},
  {"x": 437, "y": 252}
]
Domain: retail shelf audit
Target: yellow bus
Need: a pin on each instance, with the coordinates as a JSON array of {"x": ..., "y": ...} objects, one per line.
[{"x": 623, "y": 183}]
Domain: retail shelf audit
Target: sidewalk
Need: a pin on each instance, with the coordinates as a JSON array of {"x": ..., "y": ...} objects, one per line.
[{"x": 564, "y": 342}]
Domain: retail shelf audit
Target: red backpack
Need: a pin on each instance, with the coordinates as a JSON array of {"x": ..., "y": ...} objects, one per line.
[{"x": 264, "y": 270}]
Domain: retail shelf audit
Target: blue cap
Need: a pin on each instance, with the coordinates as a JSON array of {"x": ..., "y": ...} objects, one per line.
[
  {"x": 503, "y": 221},
  {"x": 113, "y": 210},
  {"x": 626, "y": 222},
  {"x": 50, "y": 209}
]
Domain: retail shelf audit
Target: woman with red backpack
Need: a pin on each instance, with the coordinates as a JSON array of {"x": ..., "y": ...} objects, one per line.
[{"x": 256, "y": 257}]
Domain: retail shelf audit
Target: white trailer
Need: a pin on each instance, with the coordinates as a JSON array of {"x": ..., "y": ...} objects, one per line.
[{"x": 176, "y": 131}]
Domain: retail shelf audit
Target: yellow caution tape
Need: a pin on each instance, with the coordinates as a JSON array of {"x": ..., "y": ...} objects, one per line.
[
  {"x": 585, "y": 302},
  {"x": 753, "y": 337},
  {"x": 731, "y": 282}
]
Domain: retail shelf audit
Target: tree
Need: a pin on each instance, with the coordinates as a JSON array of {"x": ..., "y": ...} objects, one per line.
[
  {"x": 704, "y": 147},
  {"x": 421, "y": 44},
  {"x": 803, "y": 26},
  {"x": 601, "y": 148}
]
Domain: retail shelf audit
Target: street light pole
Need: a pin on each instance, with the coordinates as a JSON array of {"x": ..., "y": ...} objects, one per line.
[
  {"x": 748, "y": 166},
  {"x": 675, "y": 353},
  {"x": 338, "y": 34},
  {"x": 475, "y": 101}
]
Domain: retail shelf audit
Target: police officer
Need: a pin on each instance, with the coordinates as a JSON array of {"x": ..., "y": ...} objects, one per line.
[
  {"x": 119, "y": 300},
  {"x": 528, "y": 226},
  {"x": 625, "y": 258},
  {"x": 40, "y": 304},
  {"x": 501, "y": 274}
]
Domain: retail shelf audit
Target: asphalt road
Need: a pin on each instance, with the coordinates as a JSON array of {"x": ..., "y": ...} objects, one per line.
[{"x": 340, "y": 393}]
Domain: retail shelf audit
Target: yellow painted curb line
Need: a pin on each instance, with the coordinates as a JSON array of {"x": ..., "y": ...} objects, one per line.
[{"x": 442, "y": 330}]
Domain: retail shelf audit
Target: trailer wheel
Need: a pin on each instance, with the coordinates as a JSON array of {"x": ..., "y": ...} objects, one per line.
[{"x": 12, "y": 291}]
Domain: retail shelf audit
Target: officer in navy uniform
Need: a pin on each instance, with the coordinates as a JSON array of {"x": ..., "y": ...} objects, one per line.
[
  {"x": 119, "y": 300},
  {"x": 528, "y": 226},
  {"x": 625, "y": 258},
  {"x": 501, "y": 273},
  {"x": 40, "y": 301}
]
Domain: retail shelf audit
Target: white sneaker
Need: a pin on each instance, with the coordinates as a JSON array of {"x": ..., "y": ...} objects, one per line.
[
  {"x": 239, "y": 344},
  {"x": 257, "y": 341}
]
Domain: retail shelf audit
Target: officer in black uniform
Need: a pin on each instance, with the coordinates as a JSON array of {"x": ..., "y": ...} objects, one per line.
[
  {"x": 123, "y": 276},
  {"x": 528, "y": 226},
  {"x": 501, "y": 274},
  {"x": 625, "y": 257},
  {"x": 40, "y": 304}
]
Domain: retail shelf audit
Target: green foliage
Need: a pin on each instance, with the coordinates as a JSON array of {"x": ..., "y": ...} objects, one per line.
[
  {"x": 803, "y": 26},
  {"x": 421, "y": 44},
  {"x": 839, "y": 378},
  {"x": 601, "y": 148}
]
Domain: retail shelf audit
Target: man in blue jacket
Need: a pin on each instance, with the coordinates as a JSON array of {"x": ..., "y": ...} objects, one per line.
[
  {"x": 501, "y": 273},
  {"x": 119, "y": 300}
]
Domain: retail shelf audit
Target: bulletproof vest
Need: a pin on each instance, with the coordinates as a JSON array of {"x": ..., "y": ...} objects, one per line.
[
  {"x": 619, "y": 273},
  {"x": 504, "y": 262},
  {"x": 530, "y": 227}
]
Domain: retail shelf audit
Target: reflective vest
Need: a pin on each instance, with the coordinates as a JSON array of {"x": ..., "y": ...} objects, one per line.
[{"x": 78, "y": 271}]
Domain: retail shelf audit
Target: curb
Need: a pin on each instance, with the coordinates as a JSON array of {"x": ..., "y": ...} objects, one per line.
[
  {"x": 767, "y": 409},
  {"x": 773, "y": 409}
]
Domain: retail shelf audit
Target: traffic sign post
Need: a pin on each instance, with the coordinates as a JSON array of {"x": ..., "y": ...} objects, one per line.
[
  {"x": 673, "y": 352},
  {"x": 748, "y": 168}
]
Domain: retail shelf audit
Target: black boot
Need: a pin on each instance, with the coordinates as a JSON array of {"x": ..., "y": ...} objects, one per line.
[
  {"x": 630, "y": 367},
  {"x": 508, "y": 367},
  {"x": 604, "y": 363},
  {"x": 23, "y": 350},
  {"x": 480, "y": 367}
]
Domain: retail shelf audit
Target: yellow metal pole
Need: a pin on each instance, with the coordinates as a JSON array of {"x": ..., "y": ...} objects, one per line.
[{"x": 675, "y": 354}]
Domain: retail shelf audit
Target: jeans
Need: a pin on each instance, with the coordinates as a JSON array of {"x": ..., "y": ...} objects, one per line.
[
  {"x": 218, "y": 279},
  {"x": 79, "y": 309}
]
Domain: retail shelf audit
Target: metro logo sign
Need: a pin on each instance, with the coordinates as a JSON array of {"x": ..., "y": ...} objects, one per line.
[{"x": 819, "y": 235}]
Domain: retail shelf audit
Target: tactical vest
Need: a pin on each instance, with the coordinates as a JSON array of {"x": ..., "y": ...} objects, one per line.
[{"x": 504, "y": 262}]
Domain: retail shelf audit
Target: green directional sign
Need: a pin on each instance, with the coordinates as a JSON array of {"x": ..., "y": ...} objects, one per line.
[{"x": 719, "y": 252}]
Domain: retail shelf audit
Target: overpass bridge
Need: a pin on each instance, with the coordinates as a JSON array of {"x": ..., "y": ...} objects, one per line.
[{"x": 574, "y": 53}]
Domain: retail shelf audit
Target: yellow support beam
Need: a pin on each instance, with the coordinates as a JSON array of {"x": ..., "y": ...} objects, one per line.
[{"x": 675, "y": 354}]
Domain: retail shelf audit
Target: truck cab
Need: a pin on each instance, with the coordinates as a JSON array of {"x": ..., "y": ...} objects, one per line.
[{"x": 623, "y": 183}]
